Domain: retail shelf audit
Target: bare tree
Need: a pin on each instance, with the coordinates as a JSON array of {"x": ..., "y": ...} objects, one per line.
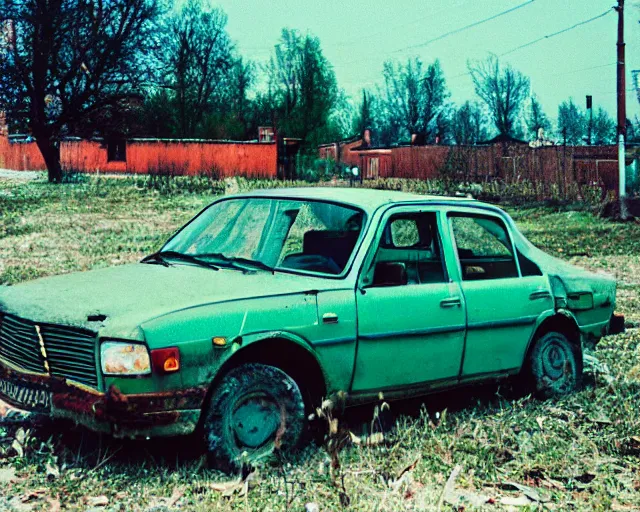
[
  {"x": 503, "y": 89},
  {"x": 467, "y": 124},
  {"x": 67, "y": 59},
  {"x": 414, "y": 97}
]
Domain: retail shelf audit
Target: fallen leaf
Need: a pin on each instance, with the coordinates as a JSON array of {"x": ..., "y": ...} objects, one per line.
[
  {"x": 175, "y": 496},
  {"x": 17, "y": 448},
  {"x": 601, "y": 420},
  {"x": 32, "y": 495},
  {"x": 7, "y": 475},
  {"x": 98, "y": 501},
  {"x": 520, "y": 501},
  {"x": 540, "y": 420},
  {"x": 374, "y": 439},
  {"x": 529, "y": 492},
  {"x": 461, "y": 497},
  {"x": 409, "y": 467},
  {"x": 226, "y": 486}
]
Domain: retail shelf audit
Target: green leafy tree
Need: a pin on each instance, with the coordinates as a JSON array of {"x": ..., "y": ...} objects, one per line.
[
  {"x": 414, "y": 97},
  {"x": 67, "y": 60},
  {"x": 198, "y": 62},
  {"x": 364, "y": 118},
  {"x": 536, "y": 118},
  {"x": 302, "y": 87},
  {"x": 571, "y": 123},
  {"x": 504, "y": 90},
  {"x": 603, "y": 128}
]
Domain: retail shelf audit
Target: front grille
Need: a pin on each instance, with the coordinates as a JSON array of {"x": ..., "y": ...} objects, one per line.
[{"x": 70, "y": 351}]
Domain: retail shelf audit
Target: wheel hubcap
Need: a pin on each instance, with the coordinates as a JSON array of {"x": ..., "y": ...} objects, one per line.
[
  {"x": 256, "y": 419},
  {"x": 554, "y": 359}
]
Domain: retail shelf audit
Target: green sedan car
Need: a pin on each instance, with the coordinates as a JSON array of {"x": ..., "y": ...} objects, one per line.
[{"x": 267, "y": 302}]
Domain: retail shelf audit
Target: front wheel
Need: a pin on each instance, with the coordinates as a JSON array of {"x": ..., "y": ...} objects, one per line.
[
  {"x": 254, "y": 410},
  {"x": 555, "y": 365}
]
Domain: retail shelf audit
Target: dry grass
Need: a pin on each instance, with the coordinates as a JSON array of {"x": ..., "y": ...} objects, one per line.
[{"x": 578, "y": 453}]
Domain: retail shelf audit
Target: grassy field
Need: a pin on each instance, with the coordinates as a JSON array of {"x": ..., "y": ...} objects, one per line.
[{"x": 450, "y": 450}]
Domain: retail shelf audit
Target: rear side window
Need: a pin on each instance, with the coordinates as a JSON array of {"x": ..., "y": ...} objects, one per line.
[{"x": 484, "y": 247}]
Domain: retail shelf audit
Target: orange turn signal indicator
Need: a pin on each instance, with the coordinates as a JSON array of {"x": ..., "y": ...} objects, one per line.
[
  {"x": 219, "y": 341},
  {"x": 165, "y": 360}
]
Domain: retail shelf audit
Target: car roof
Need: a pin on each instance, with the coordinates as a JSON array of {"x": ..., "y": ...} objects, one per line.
[{"x": 367, "y": 199}]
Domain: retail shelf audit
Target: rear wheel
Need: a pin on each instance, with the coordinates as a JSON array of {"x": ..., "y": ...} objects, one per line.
[
  {"x": 254, "y": 410},
  {"x": 555, "y": 365}
]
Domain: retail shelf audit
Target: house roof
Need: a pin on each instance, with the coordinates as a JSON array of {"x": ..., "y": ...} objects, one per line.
[{"x": 503, "y": 137}]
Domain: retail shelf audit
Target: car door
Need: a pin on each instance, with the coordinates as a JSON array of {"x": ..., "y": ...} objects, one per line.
[
  {"x": 411, "y": 316},
  {"x": 503, "y": 305}
]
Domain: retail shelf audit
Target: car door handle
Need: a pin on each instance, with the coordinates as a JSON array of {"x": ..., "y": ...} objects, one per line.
[
  {"x": 330, "y": 318},
  {"x": 540, "y": 294},
  {"x": 451, "y": 302}
]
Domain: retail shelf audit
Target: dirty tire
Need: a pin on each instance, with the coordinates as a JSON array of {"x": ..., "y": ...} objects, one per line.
[
  {"x": 555, "y": 366},
  {"x": 254, "y": 408}
]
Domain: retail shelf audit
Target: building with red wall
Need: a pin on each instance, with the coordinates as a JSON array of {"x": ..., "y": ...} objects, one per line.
[{"x": 149, "y": 156}]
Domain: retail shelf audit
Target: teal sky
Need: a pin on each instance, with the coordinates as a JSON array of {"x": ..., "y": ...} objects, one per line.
[{"x": 357, "y": 36}]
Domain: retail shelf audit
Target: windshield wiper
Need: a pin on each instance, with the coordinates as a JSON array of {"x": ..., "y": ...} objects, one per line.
[
  {"x": 161, "y": 256},
  {"x": 236, "y": 261}
]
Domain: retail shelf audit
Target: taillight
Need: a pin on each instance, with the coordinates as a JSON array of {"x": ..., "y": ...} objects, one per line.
[{"x": 165, "y": 360}]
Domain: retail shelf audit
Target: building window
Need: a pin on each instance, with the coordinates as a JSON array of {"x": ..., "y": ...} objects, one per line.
[
  {"x": 117, "y": 150},
  {"x": 265, "y": 134}
]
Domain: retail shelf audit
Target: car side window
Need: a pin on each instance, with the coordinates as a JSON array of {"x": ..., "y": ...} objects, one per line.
[
  {"x": 408, "y": 252},
  {"x": 484, "y": 247}
]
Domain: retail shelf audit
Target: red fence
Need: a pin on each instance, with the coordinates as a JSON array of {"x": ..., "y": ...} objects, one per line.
[
  {"x": 506, "y": 161},
  {"x": 143, "y": 156},
  {"x": 20, "y": 156}
]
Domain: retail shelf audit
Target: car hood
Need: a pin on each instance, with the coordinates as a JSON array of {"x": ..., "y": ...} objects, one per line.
[{"x": 129, "y": 295}]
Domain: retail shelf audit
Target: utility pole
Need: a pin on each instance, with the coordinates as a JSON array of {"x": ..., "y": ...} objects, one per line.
[
  {"x": 590, "y": 110},
  {"x": 622, "y": 109}
]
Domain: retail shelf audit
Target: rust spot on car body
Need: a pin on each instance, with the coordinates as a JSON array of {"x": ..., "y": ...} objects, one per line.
[{"x": 116, "y": 411}]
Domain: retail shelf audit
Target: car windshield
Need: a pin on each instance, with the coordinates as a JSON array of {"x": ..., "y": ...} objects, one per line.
[{"x": 266, "y": 233}]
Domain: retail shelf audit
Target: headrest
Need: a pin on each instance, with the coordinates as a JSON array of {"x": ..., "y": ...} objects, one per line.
[{"x": 337, "y": 245}]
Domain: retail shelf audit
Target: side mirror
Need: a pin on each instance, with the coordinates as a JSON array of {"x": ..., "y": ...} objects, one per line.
[{"x": 390, "y": 274}]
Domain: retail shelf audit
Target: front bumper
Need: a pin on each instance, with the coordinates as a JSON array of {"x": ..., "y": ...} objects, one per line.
[{"x": 140, "y": 415}]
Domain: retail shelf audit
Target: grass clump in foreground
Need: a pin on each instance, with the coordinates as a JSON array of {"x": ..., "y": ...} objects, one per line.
[{"x": 581, "y": 452}]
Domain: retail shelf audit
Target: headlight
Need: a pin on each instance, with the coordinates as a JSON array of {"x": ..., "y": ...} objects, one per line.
[{"x": 122, "y": 358}]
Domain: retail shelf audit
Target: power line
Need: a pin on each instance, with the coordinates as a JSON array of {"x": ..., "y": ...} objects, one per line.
[
  {"x": 393, "y": 27},
  {"x": 585, "y": 69},
  {"x": 549, "y": 36},
  {"x": 535, "y": 41},
  {"x": 466, "y": 27}
]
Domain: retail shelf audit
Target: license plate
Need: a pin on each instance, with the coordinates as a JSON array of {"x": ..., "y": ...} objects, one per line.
[{"x": 26, "y": 396}]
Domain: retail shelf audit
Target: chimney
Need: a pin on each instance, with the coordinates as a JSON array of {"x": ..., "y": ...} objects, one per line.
[{"x": 366, "y": 137}]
